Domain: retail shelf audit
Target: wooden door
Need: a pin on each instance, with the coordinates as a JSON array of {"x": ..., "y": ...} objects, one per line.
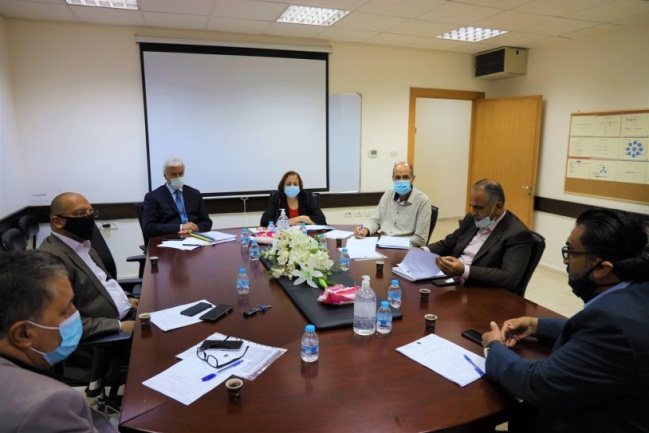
[{"x": 505, "y": 146}]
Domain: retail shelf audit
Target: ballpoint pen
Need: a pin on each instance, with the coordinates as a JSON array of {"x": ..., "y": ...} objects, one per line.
[
  {"x": 480, "y": 372},
  {"x": 213, "y": 375}
]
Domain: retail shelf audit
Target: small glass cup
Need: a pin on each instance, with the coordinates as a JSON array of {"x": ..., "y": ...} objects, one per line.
[
  {"x": 424, "y": 294},
  {"x": 379, "y": 267},
  {"x": 234, "y": 386},
  {"x": 339, "y": 243},
  {"x": 154, "y": 260},
  {"x": 145, "y": 320},
  {"x": 430, "y": 319}
]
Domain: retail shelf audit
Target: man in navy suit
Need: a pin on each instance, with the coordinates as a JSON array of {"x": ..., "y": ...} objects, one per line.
[
  {"x": 596, "y": 378},
  {"x": 492, "y": 246},
  {"x": 174, "y": 208}
]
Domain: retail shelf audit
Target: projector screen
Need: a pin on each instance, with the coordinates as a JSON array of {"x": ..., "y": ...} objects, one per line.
[{"x": 238, "y": 117}]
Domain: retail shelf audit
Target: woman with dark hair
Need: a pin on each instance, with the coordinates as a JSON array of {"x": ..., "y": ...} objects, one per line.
[{"x": 300, "y": 206}]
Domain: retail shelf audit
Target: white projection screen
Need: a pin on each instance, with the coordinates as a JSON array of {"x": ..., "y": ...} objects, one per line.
[{"x": 238, "y": 117}]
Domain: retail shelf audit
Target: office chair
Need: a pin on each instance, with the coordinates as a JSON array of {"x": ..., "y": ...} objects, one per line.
[
  {"x": 139, "y": 207},
  {"x": 538, "y": 246},
  {"x": 29, "y": 226},
  {"x": 132, "y": 285},
  {"x": 316, "y": 198},
  {"x": 434, "y": 212},
  {"x": 13, "y": 239}
]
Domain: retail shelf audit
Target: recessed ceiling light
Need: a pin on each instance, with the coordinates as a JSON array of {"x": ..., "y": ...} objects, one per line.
[
  {"x": 311, "y": 16},
  {"x": 115, "y": 4},
  {"x": 471, "y": 34}
]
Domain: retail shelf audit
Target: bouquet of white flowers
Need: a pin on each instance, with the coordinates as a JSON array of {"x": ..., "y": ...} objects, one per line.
[{"x": 294, "y": 254}]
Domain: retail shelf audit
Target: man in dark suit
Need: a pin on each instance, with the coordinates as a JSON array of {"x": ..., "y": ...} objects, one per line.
[
  {"x": 596, "y": 378},
  {"x": 103, "y": 304},
  {"x": 39, "y": 326},
  {"x": 492, "y": 246},
  {"x": 174, "y": 208}
]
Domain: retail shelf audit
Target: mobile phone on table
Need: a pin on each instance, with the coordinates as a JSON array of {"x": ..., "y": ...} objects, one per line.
[
  {"x": 445, "y": 281},
  {"x": 473, "y": 335},
  {"x": 195, "y": 309},
  {"x": 216, "y": 313},
  {"x": 222, "y": 344}
]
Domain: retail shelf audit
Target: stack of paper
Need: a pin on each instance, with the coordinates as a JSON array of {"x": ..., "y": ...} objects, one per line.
[
  {"x": 394, "y": 242},
  {"x": 218, "y": 237},
  {"x": 184, "y": 244},
  {"x": 171, "y": 318},
  {"x": 363, "y": 249},
  {"x": 418, "y": 265},
  {"x": 338, "y": 234}
]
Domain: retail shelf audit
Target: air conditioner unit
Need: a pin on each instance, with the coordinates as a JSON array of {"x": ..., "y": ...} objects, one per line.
[{"x": 503, "y": 62}]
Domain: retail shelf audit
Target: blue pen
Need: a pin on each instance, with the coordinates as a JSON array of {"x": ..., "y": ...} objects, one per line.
[
  {"x": 213, "y": 375},
  {"x": 480, "y": 372},
  {"x": 209, "y": 377}
]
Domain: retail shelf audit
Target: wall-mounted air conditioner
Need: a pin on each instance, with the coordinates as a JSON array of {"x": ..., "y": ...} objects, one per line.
[{"x": 503, "y": 62}]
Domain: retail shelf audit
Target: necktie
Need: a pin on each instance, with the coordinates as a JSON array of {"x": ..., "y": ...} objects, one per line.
[{"x": 180, "y": 206}]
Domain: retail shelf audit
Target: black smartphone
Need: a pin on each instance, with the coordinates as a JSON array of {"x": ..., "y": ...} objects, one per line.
[
  {"x": 222, "y": 344},
  {"x": 445, "y": 281},
  {"x": 216, "y": 313},
  {"x": 195, "y": 309},
  {"x": 473, "y": 335}
]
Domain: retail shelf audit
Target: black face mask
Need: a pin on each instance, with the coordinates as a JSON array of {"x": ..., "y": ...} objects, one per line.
[
  {"x": 81, "y": 227},
  {"x": 584, "y": 287}
]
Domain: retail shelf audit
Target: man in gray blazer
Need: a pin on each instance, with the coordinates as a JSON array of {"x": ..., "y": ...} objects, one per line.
[
  {"x": 39, "y": 326},
  {"x": 104, "y": 306},
  {"x": 492, "y": 246}
]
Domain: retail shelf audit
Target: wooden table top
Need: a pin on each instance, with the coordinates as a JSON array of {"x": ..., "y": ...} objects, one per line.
[{"x": 359, "y": 383}]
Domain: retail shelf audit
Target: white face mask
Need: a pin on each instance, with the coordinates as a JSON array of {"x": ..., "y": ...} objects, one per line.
[
  {"x": 177, "y": 182},
  {"x": 487, "y": 221}
]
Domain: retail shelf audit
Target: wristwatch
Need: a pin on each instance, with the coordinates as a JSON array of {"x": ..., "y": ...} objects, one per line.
[{"x": 488, "y": 346}]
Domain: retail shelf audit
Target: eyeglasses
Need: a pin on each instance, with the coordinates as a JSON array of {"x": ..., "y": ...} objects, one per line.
[
  {"x": 212, "y": 361},
  {"x": 567, "y": 252},
  {"x": 81, "y": 213}
]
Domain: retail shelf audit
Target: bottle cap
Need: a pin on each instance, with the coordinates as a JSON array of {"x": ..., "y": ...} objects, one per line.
[
  {"x": 242, "y": 270},
  {"x": 344, "y": 250},
  {"x": 384, "y": 304},
  {"x": 270, "y": 222},
  {"x": 366, "y": 277},
  {"x": 309, "y": 328},
  {"x": 394, "y": 282}
]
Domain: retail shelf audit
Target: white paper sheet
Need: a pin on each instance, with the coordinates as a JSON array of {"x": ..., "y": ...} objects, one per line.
[
  {"x": 394, "y": 242},
  {"x": 444, "y": 358},
  {"x": 184, "y": 244},
  {"x": 338, "y": 234},
  {"x": 218, "y": 237},
  {"x": 418, "y": 265},
  {"x": 364, "y": 248},
  {"x": 171, "y": 318},
  {"x": 317, "y": 228}
]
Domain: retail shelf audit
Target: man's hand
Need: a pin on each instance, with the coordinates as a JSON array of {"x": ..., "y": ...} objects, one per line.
[
  {"x": 188, "y": 227},
  {"x": 128, "y": 325},
  {"x": 360, "y": 232},
  {"x": 134, "y": 302},
  {"x": 493, "y": 335},
  {"x": 450, "y": 266},
  {"x": 514, "y": 330}
]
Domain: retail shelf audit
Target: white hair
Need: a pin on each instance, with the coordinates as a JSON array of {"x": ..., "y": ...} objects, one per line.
[{"x": 173, "y": 161}]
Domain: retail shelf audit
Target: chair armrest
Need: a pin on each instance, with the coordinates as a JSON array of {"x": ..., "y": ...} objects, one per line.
[{"x": 106, "y": 339}]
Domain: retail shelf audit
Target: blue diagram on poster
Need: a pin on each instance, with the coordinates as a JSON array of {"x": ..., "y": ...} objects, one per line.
[{"x": 634, "y": 149}]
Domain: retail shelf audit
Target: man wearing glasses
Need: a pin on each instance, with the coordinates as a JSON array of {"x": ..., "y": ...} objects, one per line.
[
  {"x": 597, "y": 377},
  {"x": 104, "y": 306}
]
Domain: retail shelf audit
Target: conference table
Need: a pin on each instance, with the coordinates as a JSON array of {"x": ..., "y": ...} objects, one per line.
[{"x": 358, "y": 384}]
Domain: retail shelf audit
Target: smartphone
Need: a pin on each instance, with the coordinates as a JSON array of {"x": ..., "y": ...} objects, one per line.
[
  {"x": 216, "y": 313},
  {"x": 195, "y": 309},
  {"x": 473, "y": 335},
  {"x": 222, "y": 344},
  {"x": 445, "y": 281}
]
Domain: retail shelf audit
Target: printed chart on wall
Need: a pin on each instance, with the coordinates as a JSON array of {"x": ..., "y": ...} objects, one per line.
[{"x": 608, "y": 155}]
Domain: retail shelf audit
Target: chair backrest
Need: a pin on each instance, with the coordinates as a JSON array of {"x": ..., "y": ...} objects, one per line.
[
  {"x": 434, "y": 211},
  {"x": 99, "y": 244},
  {"x": 139, "y": 207},
  {"x": 13, "y": 239},
  {"x": 29, "y": 225},
  {"x": 538, "y": 246},
  {"x": 316, "y": 198}
]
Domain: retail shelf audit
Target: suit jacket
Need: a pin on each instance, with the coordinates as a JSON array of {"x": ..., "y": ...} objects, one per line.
[
  {"x": 502, "y": 259},
  {"x": 306, "y": 206},
  {"x": 597, "y": 377},
  {"x": 98, "y": 312},
  {"x": 33, "y": 402},
  {"x": 160, "y": 214}
]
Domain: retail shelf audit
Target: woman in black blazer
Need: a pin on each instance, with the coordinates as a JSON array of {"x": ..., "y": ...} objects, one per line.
[{"x": 300, "y": 206}]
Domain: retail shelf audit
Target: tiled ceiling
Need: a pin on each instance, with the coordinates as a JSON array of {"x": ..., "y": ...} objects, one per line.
[{"x": 402, "y": 23}]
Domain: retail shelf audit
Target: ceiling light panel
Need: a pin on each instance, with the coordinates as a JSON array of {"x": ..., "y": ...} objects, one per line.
[
  {"x": 311, "y": 16},
  {"x": 471, "y": 34},
  {"x": 115, "y": 4}
]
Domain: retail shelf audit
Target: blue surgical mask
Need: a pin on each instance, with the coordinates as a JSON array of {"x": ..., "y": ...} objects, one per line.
[
  {"x": 487, "y": 221},
  {"x": 402, "y": 187},
  {"x": 70, "y": 330},
  {"x": 291, "y": 191},
  {"x": 177, "y": 182}
]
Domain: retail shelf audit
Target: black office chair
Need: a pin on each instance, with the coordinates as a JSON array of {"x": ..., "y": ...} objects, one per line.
[
  {"x": 434, "y": 212},
  {"x": 538, "y": 246},
  {"x": 132, "y": 285},
  {"x": 13, "y": 239},
  {"x": 29, "y": 226},
  {"x": 316, "y": 198},
  {"x": 139, "y": 207}
]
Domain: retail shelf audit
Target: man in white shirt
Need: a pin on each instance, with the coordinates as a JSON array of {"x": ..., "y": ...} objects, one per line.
[{"x": 403, "y": 211}]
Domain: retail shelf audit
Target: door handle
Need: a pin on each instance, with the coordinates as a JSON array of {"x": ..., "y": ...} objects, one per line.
[{"x": 529, "y": 189}]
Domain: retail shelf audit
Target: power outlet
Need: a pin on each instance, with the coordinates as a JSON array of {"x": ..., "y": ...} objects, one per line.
[
  {"x": 348, "y": 214},
  {"x": 358, "y": 213}
]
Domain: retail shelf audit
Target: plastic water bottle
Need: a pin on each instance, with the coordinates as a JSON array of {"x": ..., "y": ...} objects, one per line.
[
  {"x": 394, "y": 294},
  {"x": 343, "y": 260},
  {"x": 310, "y": 344},
  {"x": 303, "y": 228},
  {"x": 365, "y": 309},
  {"x": 245, "y": 238},
  {"x": 322, "y": 240},
  {"x": 271, "y": 227},
  {"x": 283, "y": 222},
  {"x": 243, "y": 283},
  {"x": 254, "y": 250},
  {"x": 384, "y": 318}
]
